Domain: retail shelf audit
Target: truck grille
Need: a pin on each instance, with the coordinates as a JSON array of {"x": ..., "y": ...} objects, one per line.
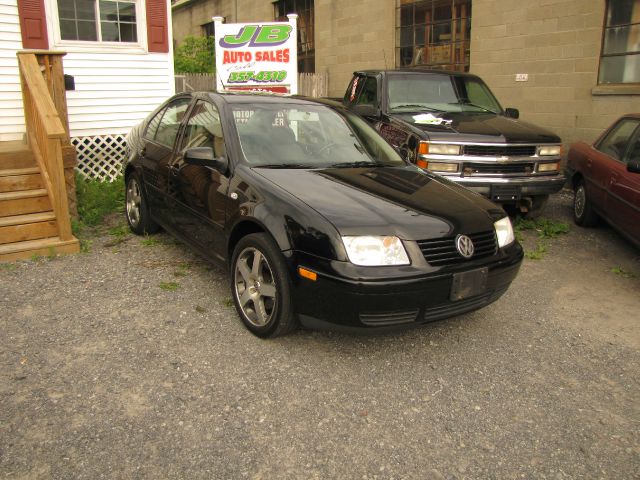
[
  {"x": 499, "y": 150},
  {"x": 498, "y": 168},
  {"x": 441, "y": 252}
]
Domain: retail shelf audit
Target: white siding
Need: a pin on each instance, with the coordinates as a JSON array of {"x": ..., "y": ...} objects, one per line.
[
  {"x": 11, "y": 117},
  {"x": 114, "y": 91}
]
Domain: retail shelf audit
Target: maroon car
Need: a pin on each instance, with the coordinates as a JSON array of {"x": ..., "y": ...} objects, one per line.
[{"x": 606, "y": 178}]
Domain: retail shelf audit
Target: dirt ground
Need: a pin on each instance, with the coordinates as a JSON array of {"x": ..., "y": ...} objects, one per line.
[{"x": 130, "y": 362}]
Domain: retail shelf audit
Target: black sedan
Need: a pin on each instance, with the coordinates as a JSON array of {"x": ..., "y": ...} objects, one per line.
[{"x": 320, "y": 221}]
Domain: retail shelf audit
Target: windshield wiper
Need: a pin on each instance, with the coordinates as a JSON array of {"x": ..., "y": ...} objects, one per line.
[
  {"x": 421, "y": 107},
  {"x": 474, "y": 105},
  {"x": 284, "y": 165},
  {"x": 361, "y": 163}
]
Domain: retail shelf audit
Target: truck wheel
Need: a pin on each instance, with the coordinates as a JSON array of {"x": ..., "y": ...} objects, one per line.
[
  {"x": 583, "y": 213},
  {"x": 537, "y": 206}
]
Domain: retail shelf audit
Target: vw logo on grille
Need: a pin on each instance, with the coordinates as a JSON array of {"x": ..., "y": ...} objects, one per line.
[{"x": 465, "y": 246}]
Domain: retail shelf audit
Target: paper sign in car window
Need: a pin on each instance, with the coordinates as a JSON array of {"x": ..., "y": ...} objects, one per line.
[{"x": 430, "y": 119}]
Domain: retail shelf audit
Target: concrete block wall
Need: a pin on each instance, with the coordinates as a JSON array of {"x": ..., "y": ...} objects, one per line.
[
  {"x": 353, "y": 35},
  {"x": 557, "y": 43}
]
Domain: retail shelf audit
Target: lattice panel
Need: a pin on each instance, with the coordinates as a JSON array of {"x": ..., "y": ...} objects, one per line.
[{"x": 100, "y": 157}]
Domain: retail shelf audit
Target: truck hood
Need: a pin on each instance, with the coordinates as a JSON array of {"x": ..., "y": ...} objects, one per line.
[
  {"x": 478, "y": 127},
  {"x": 401, "y": 201}
]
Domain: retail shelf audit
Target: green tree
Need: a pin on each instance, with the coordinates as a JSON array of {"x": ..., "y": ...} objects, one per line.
[{"x": 195, "y": 55}]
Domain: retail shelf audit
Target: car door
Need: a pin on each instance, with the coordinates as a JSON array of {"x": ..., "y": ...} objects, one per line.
[
  {"x": 623, "y": 198},
  {"x": 157, "y": 153},
  {"x": 605, "y": 158},
  {"x": 200, "y": 192}
]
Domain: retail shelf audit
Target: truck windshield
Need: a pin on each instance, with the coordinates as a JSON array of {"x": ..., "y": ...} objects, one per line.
[
  {"x": 439, "y": 93},
  {"x": 291, "y": 135}
]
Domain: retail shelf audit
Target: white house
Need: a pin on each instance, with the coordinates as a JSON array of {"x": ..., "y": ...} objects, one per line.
[{"x": 119, "y": 54}]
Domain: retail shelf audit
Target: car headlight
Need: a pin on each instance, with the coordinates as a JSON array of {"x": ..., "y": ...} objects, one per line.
[
  {"x": 375, "y": 251},
  {"x": 504, "y": 232},
  {"x": 550, "y": 150},
  {"x": 426, "y": 148}
]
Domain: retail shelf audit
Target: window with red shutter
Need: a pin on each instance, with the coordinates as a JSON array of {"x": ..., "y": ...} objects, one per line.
[{"x": 33, "y": 24}]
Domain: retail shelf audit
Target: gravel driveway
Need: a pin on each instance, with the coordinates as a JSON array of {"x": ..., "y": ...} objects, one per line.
[{"x": 130, "y": 362}]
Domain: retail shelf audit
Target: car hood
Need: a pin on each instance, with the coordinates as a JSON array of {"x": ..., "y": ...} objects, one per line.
[
  {"x": 479, "y": 127},
  {"x": 402, "y": 201}
]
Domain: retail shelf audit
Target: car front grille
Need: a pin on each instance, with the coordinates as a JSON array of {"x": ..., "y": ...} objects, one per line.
[
  {"x": 452, "y": 309},
  {"x": 441, "y": 252},
  {"x": 388, "y": 318},
  {"x": 497, "y": 168},
  {"x": 499, "y": 150}
]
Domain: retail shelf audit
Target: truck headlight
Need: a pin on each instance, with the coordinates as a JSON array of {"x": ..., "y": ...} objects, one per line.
[
  {"x": 504, "y": 232},
  {"x": 426, "y": 148},
  {"x": 375, "y": 251},
  {"x": 549, "y": 150}
]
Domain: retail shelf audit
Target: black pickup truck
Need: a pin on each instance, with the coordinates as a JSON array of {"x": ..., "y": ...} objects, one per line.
[{"x": 450, "y": 123}]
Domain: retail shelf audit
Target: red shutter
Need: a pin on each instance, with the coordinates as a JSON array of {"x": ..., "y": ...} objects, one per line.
[
  {"x": 157, "y": 28},
  {"x": 33, "y": 24}
]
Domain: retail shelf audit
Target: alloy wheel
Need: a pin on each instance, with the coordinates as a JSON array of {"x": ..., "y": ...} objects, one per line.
[
  {"x": 255, "y": 287},
  {"x": 579, "y": 201},
  {"x": 134, "y": 202}
]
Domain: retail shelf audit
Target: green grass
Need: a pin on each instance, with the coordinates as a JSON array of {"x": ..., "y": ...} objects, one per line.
[
  {"x": 622, "y": 273},
  {"x": 537, "y": 253},
  {"x": 96, "y": 200},
  {"x": 9, "y": 267},
  {"x": 183, "y": 270},
  {"x": 170, "y": 286}
]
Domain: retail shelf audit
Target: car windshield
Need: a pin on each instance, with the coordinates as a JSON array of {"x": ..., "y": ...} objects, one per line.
[
  {"x": 288, "y": 135},
  {"x": 440, "y": 93}
]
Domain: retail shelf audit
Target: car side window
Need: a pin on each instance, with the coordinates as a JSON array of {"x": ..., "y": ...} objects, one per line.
[
  {"x": 616, "y": 141},
  {"x": 634, "y": 149},
  {"x": 169, "y": 124},
  {"x": 204, "y": 129},
  {"x": 152, "y": 128},
  {"x": 368, "y": 94}
]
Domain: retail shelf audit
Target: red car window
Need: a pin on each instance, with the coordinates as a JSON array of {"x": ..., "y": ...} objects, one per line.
[{"x": 615, "y": 142}]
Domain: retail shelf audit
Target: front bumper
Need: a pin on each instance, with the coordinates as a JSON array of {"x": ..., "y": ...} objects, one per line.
[
  {"x": 494, "y": 188},
  {"x": 342, "y": 302}
]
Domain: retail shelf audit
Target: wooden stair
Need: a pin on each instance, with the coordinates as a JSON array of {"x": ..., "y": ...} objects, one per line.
[{"x": 28, "y": 224}]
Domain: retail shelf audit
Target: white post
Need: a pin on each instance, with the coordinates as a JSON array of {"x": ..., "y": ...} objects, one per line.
[
  {"x": 217, "y": 21},
  {"x": 293, "y": 20}
]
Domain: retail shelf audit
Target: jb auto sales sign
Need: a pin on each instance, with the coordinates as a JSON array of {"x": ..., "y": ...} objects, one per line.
[{"x": 257, "y": 56}]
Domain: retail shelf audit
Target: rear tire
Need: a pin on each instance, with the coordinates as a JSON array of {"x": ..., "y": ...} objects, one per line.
[
  {"x": 137, "y": 208},
  {"x": 260, "y": 287},
  {"x": 583, "y": 213}
]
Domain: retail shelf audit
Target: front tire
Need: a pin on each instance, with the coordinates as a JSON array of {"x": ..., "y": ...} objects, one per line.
[
  {"x": 137, "y": 209},
  {"x": 260, "y": 287},
  {"x": 583, "y": 213}
]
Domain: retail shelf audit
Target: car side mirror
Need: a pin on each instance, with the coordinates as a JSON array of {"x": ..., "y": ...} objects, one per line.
[
  {"x": 633, "y": 167},
  {"x": 366, "y": 111},
  {"x": 203, "y": 157},
  {"x": 512, "y": 112}
]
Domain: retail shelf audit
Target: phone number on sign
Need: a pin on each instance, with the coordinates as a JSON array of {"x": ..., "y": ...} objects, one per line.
[{"x": 265, "y": 76}]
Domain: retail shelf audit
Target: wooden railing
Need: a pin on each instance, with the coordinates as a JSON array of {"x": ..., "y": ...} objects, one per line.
[{"x": 45, "y": 130}]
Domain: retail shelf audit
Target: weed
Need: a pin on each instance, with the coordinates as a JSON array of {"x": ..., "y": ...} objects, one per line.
[
  {"x": 545, "y": 227},
  {"x": 52, "y": 253},
  {"x": 200, "y": 309},
  {"x": 537, "y": 253},
  {"x": 9, "y": 267},
  {"x": 85, "y": 245},
  {"x": 182, "y": 269},
  {"x": 228, "y": 302},
  {"x": 97, "y": 199},
  {"x": 151, "y": 241},
  {"x": 622, "y": 273},
  {"x": 36, "y": 258},
  {"x": 120, "y": 231},
  {"x": 170, "y": 286}
]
